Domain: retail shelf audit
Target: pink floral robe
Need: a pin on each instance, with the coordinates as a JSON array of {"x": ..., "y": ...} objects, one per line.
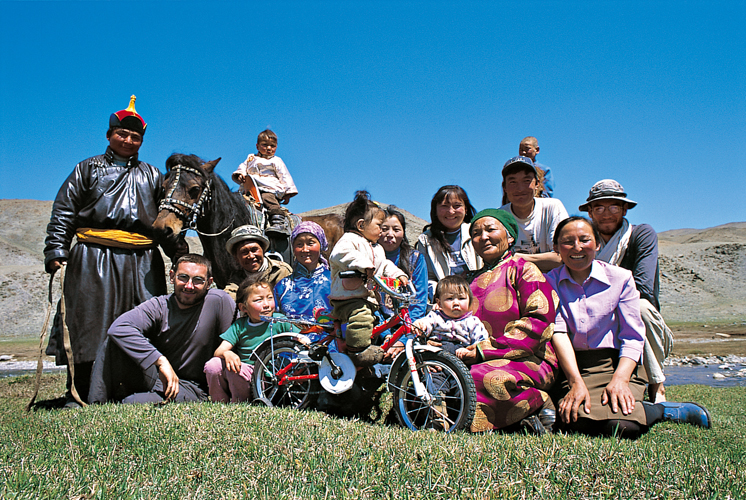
[{"x": 517, "y": 306}]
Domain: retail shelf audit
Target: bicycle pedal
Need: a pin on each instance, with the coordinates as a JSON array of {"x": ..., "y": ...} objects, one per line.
[
  {"x": 317, "y": 352},
  {"x": 381, "y": 371}
]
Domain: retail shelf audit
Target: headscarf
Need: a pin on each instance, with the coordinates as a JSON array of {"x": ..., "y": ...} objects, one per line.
[
  {"x": 316, "y": 231},
  {"x": 505, "y": 218}
]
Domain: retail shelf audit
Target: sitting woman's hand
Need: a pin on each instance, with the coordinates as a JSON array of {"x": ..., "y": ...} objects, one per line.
[
  {"x": 617, "y": 394},
  {"x": 468, "y": 355},
  {"x": 577, "y": 396},
  {"x": 393, "y": 351}
]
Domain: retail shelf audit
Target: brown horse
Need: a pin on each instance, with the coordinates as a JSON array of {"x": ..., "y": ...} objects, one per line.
[{"x": 198, "y": 199}]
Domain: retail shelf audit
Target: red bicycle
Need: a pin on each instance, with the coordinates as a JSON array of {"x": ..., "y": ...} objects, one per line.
[{"x": 431, "y": 388}]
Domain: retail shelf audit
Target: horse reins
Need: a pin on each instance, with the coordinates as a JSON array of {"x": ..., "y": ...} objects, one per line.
[
  {"x": 65, "y": 341},
  {"x": 194, "y": 211}
]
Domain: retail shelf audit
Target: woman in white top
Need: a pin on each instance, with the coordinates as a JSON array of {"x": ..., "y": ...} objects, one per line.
[{"x": 446, "y": 243}]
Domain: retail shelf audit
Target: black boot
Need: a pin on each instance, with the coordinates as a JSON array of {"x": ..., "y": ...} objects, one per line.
[
  {"x": 278, "y": 224},
  {"x": 533, "y": 425}
]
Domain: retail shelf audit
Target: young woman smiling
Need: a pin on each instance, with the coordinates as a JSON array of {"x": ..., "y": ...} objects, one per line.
[
  {"x": 446, "y": 244},
  {"x": 599, "y": 338}
]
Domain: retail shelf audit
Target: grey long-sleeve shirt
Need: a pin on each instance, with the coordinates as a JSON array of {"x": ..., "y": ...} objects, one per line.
[
  {"x": 187, "y": 337},
  {"x": 642, "y": 259}
]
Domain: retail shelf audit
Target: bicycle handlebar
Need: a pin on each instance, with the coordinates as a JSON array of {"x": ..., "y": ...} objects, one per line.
[
  {"x": 382, "y": 283},
  {"x": 385, "y": 288},
  {"x": 298, "y": 321}
]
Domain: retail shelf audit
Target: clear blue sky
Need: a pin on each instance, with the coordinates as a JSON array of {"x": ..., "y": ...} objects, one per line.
[{"x": 395, "y": 97}]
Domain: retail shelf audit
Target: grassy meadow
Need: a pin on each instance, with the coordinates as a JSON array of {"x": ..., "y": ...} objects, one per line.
[{"x": 211, "y": 451}]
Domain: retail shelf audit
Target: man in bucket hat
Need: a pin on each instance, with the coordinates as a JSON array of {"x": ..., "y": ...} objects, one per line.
[
  {"x": 248, "y": 246},
  {"x": 109, "y": 203},
  {"x": 634, "y": 248}
]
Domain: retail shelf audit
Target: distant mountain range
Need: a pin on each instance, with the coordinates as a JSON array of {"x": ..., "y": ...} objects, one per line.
[{"x": 703, "y": 271}]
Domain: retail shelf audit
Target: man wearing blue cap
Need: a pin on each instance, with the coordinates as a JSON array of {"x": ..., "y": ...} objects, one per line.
[
  {"x": 537, "y": 217},
  {"x": 108, "y": 203}
]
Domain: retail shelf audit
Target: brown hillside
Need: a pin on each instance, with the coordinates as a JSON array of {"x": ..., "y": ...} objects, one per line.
[{"x": 702, "y": 271}]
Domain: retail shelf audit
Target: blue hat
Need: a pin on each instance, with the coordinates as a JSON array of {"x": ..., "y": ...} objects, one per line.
[{"x": 518, "y": 163}]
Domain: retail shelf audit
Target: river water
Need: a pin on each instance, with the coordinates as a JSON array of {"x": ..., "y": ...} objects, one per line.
[{"x": 683, "y": 375}]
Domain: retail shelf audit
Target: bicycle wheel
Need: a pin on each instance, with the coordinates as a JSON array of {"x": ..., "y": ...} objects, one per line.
[
  {"x": 450, "y": 385},
  {"x": 264, "y": 384}
]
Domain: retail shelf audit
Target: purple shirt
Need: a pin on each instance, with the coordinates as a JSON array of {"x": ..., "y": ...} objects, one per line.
[{"x": 603, "y": 312}]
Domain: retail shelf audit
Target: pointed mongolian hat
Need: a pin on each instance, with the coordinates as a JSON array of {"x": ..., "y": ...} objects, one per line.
[{"x": 128, "y": 118}]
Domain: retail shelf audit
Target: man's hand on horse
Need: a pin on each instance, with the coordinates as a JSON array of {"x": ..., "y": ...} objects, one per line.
[
  {"x": 182, "y": 248},
  {"x": 240, "y": 178}
]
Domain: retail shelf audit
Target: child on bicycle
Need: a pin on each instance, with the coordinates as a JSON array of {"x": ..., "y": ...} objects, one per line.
[
  {"x": 271, "y": 177},
  {"x": 452, "y": 324},
  {"x": 229, "y": 372},
  {"x": 358, "y": 250}
]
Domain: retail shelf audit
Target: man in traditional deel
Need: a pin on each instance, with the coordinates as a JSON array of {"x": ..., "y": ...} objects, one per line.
[{"x": 108, "y": 205}]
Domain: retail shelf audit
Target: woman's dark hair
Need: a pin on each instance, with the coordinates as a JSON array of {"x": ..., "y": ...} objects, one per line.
[
  {"x": 405, "y": 249},
  {"x": 437, "y": 230},
  {"x": 362, "y": 207},
  {"x": 575, "y": 218}
]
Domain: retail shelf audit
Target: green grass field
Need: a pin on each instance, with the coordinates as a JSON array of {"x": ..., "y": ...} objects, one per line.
[{"x": 240, "y": 451}]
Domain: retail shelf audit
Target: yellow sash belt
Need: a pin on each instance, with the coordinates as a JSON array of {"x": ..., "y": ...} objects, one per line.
[{"x": 114, "y": 238}]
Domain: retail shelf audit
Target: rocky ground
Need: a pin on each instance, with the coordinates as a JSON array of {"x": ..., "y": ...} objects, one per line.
[{"x": 702, "y": 272}]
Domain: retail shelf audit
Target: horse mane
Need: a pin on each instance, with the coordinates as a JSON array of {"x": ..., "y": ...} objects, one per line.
[
  {"x": 226, "y": 212},
  {"x": 192, "y": 161}
]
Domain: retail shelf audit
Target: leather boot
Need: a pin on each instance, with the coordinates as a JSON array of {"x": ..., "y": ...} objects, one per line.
[
  {"x": 532, "y": 425},
  {"x": 277, "y": 225},
  {"x": 372, "y": 355},
  {"x": 548, "y": 417}
]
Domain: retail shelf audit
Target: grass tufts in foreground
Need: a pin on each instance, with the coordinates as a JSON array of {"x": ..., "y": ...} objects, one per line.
[{"x": 240, "y": 451}]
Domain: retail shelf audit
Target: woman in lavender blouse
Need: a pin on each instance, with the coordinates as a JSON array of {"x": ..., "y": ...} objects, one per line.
[{"x": 599, "y": 338}]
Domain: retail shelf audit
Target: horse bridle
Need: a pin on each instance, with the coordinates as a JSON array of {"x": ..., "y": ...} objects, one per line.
[{"x": 195, "y": 210}]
